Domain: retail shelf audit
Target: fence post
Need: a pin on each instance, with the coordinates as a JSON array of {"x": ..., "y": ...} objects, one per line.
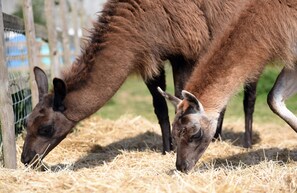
[
  {"x": 85, "y": 22},
  {"x": 6, "y": 110},
  {"x": 31, "y": 47},
  {"x": 52, "y": 37},
  {"x": 75, "y": 27},
  {"x": 65, "y": 35}
]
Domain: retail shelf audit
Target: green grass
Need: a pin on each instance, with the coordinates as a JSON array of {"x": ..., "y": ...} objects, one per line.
[
  {"x": 262, "y": 111},
  {"x": 134, "y": 98}
]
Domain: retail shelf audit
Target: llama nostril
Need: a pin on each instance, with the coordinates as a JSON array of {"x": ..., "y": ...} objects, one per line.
[
  {"x": 178, "y": 166},
  {"x": 26, "y": 158},
  {"x": 186, "y": 167},
  {"x": 183, "y": 167}
]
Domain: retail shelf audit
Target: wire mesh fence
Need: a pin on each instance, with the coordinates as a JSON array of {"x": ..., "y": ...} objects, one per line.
[
  {"x": 21, "y": 98},
  {"x": 18, "y": 66},
  {"x": 19, "y": 88},
  {"x": 18, "y": 75}
]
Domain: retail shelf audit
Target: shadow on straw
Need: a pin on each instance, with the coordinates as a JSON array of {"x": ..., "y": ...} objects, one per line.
[
  {"x": 99, "y": 155},
  {"x": 237, "y": 138},
  {"x": 252, "y": 157}
]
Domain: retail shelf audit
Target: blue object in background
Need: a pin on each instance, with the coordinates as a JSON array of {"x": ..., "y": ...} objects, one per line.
[{"x": 15, "y": 50}]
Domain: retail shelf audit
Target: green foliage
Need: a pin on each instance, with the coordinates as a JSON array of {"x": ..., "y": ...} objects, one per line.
[
  {"x": 267, "y": 80},
  {"x": 262, "y": 111},
  {"x": 38, "y": 11},
  {"x": 134, "y": 98}
]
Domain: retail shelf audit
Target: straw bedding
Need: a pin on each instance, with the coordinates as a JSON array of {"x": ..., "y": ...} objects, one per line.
[{"x": 125, "y": 156}]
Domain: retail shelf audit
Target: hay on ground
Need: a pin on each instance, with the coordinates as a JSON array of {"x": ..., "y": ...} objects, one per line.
[{"x": 125, "y": 156}]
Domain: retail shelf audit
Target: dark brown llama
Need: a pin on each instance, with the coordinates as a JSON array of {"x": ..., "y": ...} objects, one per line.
[
  {"x": 265, "y": 31},
  {"x": 129, "y": 36}
]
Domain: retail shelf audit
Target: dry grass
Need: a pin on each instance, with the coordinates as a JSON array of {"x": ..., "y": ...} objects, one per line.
[{"x": 124, "y": 156}]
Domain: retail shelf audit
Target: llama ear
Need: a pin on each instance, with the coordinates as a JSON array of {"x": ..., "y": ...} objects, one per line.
[
  {"x": 193, "y": 101},
  {"x": 41, "y": 81},
  {"x": 59, "y": 94},
  {"x": 174, "y": 100}
]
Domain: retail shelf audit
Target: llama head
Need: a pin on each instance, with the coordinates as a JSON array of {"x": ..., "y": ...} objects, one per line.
[
  {"x": 46, "y": 125},
  {"x": 192, "y": 130}
]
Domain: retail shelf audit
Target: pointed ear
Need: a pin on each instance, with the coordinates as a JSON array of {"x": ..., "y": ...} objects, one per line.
[
  {"x": 41, "y": 81},
  {"x": 193, "y": 101},
  {"x": 174, "y": 100},
  {"x": 60, "y": 93}
]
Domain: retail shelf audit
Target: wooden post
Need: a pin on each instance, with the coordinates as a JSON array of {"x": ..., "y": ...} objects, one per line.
[
  {"x": 31, "y": 47},
  {"x": 85, "y": 22},
  {"x": 52, "y": 37},
  {"x": 66, "y": 47},
  {"x": 75, "y": 27},
  {"x": 38, "y": 46},
  {"x": 6, "y": 110}
]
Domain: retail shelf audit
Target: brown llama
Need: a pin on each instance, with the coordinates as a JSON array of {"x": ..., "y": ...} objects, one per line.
[
  {"x": 129, "y": 36},
  {"x": 216, "y": 13},
  {"x": 265, "y": 31}
]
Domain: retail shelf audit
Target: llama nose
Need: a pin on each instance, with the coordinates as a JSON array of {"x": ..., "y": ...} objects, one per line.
[
  {"x": 27, "y": 157},
  {"x": 183, "y": 167}
]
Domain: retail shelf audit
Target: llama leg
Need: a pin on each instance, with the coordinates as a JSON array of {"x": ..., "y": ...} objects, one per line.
[
  {"x": 284, "y": 87},
  {"x": 161, "y": 109},
  {"x": 220, "y": 124},
  {"x": 249, "y": 106},
  {"x": 181, "y": 73}
]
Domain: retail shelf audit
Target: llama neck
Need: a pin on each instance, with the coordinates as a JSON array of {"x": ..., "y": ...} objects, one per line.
[
  {"x": 107, "y": 74},
  {"x": 234, "y": 58},
  {"x": 215, "y": 82}
]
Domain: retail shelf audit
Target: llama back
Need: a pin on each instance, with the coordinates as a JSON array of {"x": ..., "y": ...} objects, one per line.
[
  {"x": 265, "y": 31},
  {"x": 150, "y": 31}
]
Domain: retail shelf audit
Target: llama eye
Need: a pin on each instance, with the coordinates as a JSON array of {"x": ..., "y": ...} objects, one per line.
[
  {"x": 184, "y": 120},
  {"x": 197, "y": 136},
  {"x": 46, "y": 131}
]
